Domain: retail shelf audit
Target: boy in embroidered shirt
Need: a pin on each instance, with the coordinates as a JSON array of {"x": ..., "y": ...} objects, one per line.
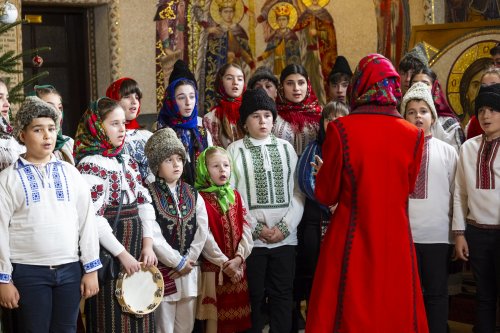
[
  {"x": 180, "y": 232},
  {"x": 429, "y": 208},
  {"x": 47, "y": 227},
  {"x": 264, "y": 175},
  {"x": 476, "y": 213}
]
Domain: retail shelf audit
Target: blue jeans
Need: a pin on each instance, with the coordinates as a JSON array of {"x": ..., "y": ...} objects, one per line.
[
  {"x": 49, "y": 298},
  {"x": 484, "y": 262}
]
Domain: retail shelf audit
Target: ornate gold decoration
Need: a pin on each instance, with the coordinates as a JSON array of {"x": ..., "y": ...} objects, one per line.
[
  {"x": 321, "y": 3},
  {"x": 467, "y": 58},
  {"x": 282, "y": 9},
  {"x": 215, "y": 13}
]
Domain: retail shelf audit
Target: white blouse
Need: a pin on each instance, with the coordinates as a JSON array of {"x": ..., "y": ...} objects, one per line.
[{"x": 106, "y": 180}]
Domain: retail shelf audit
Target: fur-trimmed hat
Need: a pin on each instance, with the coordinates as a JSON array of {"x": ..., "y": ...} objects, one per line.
[
  {"x": 418, "y": 53},
  {"x": 181, "y": 70},
  {"x": 262, "y": 73},
  {"x": 341, "y": 66},
  {"x": 33, "y": 107},
  {"x": 419, "y": 91},
  {"x": 161, "y": 145},
  {"x": 255, "y": 100},
  {"x": 488, "y": 96}
]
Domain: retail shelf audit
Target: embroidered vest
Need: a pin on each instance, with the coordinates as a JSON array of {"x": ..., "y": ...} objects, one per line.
[{"x": 177, "y": 220}]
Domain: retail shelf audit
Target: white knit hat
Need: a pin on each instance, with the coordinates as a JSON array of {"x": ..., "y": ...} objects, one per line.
[{"x": 419, "y": 91}]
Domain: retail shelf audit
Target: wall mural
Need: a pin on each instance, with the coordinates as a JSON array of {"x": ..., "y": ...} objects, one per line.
[
  {"x": 472, "y": 10},
  {"x": 210, "y": 33}
]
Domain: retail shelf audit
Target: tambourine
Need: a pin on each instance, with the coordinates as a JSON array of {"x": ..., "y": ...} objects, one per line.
[{"x": 141, "y": 292}]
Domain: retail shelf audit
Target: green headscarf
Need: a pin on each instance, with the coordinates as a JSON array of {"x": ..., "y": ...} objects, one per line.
[{"x": 203, "y": 183}]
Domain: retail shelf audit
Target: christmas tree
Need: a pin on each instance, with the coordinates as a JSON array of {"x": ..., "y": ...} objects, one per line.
[{"x": 10, "y": 64}]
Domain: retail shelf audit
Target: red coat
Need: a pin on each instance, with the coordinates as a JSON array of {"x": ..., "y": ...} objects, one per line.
[{"x": 367, "y": 277}]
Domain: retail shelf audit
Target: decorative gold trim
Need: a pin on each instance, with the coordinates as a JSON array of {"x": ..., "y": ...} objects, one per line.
[
  {"x": 113, "y": 28},
  {"x": 461, "y": 40},
  {"x": 92, "y": 57}
]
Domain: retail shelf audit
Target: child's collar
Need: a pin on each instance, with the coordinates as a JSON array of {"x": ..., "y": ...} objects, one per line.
[
  {"x": 250, "y": 142},
  {"x": 23, "y": 163}
]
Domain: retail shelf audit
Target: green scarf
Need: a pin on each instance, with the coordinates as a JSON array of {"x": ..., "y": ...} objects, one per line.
[{"x": 203, "y": 183}]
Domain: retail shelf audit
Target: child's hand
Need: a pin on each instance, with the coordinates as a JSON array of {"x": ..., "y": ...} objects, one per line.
[
  {"x": 231, "y": 267},
  {"x": 184, "y": 271},
  {"x": 238, "y": 276},
  {"x": 265, "y": 234},
  {"x": 316, "y": 165},
  {"x": 148, "y": 257},
  {"x": 129, "y": 263},
  {"x": 9, "y": 296},
  {"x": 461, "y": 248},
  {"x": 89, "y": 286},
  {"x": 276, "y": 237}
]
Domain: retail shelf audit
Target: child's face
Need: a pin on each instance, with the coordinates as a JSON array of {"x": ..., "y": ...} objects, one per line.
[
  {"x": 405, "y": 79},
  {"x": 171, "y": 169},
  {"x": 55, "y": 101},
  {"x": 219, "y": 168},
  {"x": 233, "y": 82},
  {"x": 130, "y": 104},
  {"x": 259, "y": 124},
  {"x": 114, "y": 126},
  {"x": 40, "y": 139},
  {"x": 419, "y": 114},
  {"x": 185, "y": 97},
  {"x": 268, "y": 86},
  {"x": 338, "y": 91},
  {"x": 424, "y": 78},
  {"x": 489, "y": 120},
  {"x": 4, "y": 101},
  {"x": 489, "y": 79},
  {"x": 295, "y": 88}
]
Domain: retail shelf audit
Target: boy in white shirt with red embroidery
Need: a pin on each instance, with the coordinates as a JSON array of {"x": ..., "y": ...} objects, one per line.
[
  {"x": 476, "y": 211},
  {"x": 47, "y": 229}
]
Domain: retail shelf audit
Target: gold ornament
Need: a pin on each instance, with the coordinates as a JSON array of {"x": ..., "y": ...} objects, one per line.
[{"x": 282, "y": 9}]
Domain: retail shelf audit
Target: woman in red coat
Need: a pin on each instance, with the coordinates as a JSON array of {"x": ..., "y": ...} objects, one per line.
[{"x": 367, "y": 278}]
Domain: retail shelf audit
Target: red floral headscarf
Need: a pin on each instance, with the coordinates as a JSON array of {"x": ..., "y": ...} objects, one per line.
[
  {"x": 299, "y": 114},
  {"x": 91, "y": 138},
  {"x": 375, "y": 81},
  {"x": 113, "y": 92}
]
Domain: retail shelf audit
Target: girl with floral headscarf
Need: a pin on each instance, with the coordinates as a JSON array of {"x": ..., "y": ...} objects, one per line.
[
  {"x": 180, "y": 112},
  {"x": 127, "y": 93},
  {"x": 298, "y": 109},
  {"x": 224, "y": 303},
  {"x": 115, "y": 182},
  {"x": 222, "y": 120},
  {"x": 367, "y": 277}
]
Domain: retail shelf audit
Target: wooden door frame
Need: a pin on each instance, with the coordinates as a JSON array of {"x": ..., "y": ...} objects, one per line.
[{"x": 112, "y": 32}]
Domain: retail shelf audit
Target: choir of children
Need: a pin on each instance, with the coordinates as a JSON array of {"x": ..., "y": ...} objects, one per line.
[{"x": 223, "y": 225}]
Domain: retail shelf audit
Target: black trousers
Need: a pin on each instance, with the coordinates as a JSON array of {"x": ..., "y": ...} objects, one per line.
[
  {"x": 270, "y": 273},
  {"x": 433, "y": 262},
  {"x": 484, "y": 257}
]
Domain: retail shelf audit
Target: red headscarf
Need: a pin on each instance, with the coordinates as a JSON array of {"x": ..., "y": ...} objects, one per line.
[
  {"x": 443, "y": 109},
  {"x": 375, "y": 81},
  {"x": 228, "y": 107},
  {"x": 300, "y": 114},
  {"x": 113, "y": 92}
]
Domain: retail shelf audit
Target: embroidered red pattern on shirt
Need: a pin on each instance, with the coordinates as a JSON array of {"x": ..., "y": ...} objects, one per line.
[
  {"x": 485, "y": 175},
  {"x": 421, "y": 190}
]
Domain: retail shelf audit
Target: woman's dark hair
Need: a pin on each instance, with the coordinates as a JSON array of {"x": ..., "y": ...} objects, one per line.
[
  {"x": 293, "y": 69},
  {"x": 105, "y": 105},
  {"x": 185, "y": 82},
  {"x": 427, "y": 71},
  {"x": 130, "y": 86}
]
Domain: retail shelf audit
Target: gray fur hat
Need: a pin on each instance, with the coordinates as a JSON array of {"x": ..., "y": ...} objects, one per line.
[
  {"x": 262, "y": 73},
  {"x": 32, "y": 108},
  {"x": 162, "y": 144}
]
